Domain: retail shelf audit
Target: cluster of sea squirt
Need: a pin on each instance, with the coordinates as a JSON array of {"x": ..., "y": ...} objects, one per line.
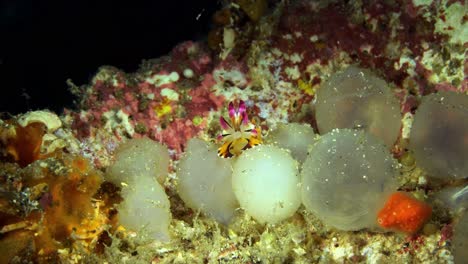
[
  {"x": 347, "y": 176},
  {"x": 350, "y": 178}
]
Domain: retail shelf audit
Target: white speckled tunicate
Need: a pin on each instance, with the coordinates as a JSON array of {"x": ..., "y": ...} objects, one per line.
[
  {"x": 439, "y": 135},
  {"x": 205, "y": 181},
  {"x": 141, "y": 157},
  {"x": 357, "y": 98},
  {"x": 139, "y": 165},
  {"x": 460, "y": 240},
  {"x": 266, "y": 183},
  {"x": 145, "y": 208},
  {"x": 346, "y": 179},
  {"x": 294, "y": 137}
]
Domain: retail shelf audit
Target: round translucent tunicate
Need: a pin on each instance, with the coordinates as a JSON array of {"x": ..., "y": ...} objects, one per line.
[
  {"x": 346, "y": 179},
  {"x": 145, "y": 209},
  {"x": 265, "y": 181},
  {"x": 460, "y": 240},
  {"x": 295, "y": 137},
  {"x": 136, "y": 158},
  {"x": 205, "y": 181},
  {"x": 439, "y": 135},
  {"x": 356, "y": 98}
]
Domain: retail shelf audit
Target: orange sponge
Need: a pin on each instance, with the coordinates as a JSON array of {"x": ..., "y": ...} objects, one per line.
[{"x": 404, "y": 213}]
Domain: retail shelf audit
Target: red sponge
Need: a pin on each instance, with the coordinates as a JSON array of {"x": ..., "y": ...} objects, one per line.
[{"x": 404, "y": 213}]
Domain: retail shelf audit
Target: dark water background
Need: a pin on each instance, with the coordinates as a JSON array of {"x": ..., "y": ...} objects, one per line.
[{"x": 43, "y": 43}]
